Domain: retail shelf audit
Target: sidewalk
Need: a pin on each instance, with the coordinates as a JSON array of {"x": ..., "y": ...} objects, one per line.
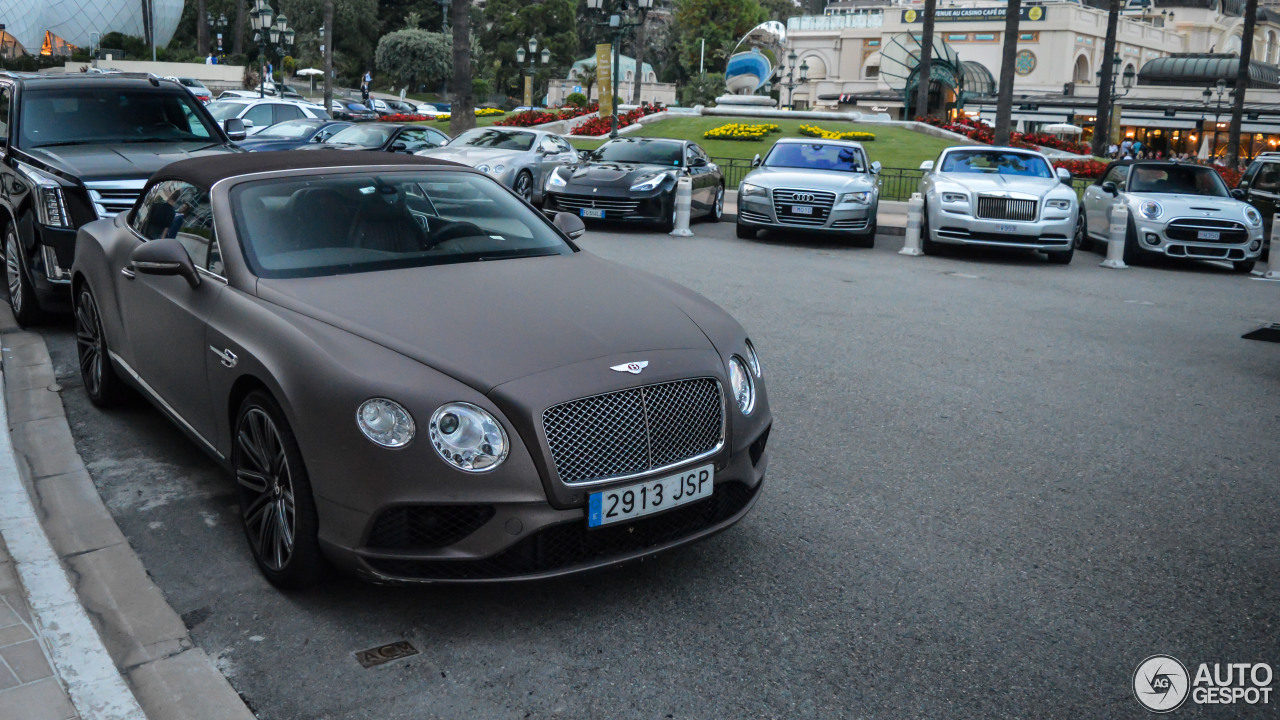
[{"x": 28, "y": 688}]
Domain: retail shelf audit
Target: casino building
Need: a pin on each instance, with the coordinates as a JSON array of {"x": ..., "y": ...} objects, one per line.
[
  {"x": 862, "y": 55},
  {"x": 54, "y": 27}
]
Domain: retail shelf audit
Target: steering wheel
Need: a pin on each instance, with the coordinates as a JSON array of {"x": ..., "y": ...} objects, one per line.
[
  {"x": 161, "y": 125},
  {"x": 450, "y": 231}
]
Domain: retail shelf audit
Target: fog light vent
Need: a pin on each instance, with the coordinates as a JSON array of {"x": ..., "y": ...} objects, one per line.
[{"x": 1153, "y": 239}]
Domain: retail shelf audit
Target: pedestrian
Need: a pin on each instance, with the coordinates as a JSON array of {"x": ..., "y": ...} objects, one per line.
[
  {"x": 1113, "y": 150},
  {"x": 1126, "y": 147},
  {"x": 365, "y": 84},
  {"x": 209, "y": 60}
]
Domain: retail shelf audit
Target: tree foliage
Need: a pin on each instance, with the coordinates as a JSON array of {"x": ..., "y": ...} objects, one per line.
[
  {"x": 412, "y": 57},
  {"x": 722, "y": 23},
  {"x": 702, "y": 89},
  {"x": 508, "y": 25}
]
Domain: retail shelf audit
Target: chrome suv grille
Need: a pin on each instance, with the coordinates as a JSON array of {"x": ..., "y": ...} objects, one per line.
[
  {"x": 1189, "y": 229},
  {"x": 998, "y": 208},
  {"x": 786, "y": 200},
  {"x": 634, "y": 431},
  {"x": 622, "y": 206},
  {"x": 113, "y": 197}
]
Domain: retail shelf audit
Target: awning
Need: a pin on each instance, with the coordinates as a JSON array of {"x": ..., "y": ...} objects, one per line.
[
  {"x": 1204, "y": 69},
  {"x": 1157, "y": 122}
]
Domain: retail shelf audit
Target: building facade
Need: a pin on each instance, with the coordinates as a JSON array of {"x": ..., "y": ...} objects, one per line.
[
  {"x": 581, "y": 79},
  {"x": 50, "y": 26}
]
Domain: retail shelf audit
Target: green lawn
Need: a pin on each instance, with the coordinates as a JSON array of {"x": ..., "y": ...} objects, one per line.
[
  {"x": 894, "y": 147},
  {"x": 485, "y": 121}
]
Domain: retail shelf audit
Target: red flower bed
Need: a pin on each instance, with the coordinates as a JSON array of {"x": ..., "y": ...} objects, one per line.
[
  {"x": 983, "y": 133},
  {"x": 1091, "y": 169},
  {"x": 1229, "y": 175},
  {"x": 602, "y": 126},
  {"x": 405, "y": 117},
  {"x": 528, "y": 118}
]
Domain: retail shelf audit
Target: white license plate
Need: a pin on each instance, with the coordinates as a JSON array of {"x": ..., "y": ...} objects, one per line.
[
  {"x": 1006, "y": 228},
  {"x": 592, "y": 213},
  {"x": 801, "y": 210},
  {"x": 633, "y": 501},
  {"x": 1209, "y": 235}
]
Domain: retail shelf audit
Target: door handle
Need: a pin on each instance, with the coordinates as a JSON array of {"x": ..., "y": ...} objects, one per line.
[{"x": 127, "y": 271}]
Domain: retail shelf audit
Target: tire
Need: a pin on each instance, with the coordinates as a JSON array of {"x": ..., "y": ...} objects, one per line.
[
  {"x": 868, "y": 240},
  {"x": 669, "y": 223},
  {"x": 927, "y": 245},
  {"x": 717, "y": 208},
  {"x": 523, "y": 186},
  {"x": 22, "y": 298},
  {"x": 1133, "y": 255},
  {"x": 1062, "y": 258},
  {"x": 1243, "y": 267},
  {"x": 275, "y": 496},
  {"x": 746, "y": 232},
  {"x": 1081, "y": 241},
  {"x": 101, "y": 383}
]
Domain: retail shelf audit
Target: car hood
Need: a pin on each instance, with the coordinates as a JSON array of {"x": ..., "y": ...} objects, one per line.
[
  {"x": 1174, "y": 203},
  {"x": 833, "y": 180},
  {"x": 981, "y": 183},
  {"x": 337, "y": 146},
  {"x": 254, "y": 145},
  {"x": 122, "y": 161},
  {"x": 472, "y": 155},
  {"x": 486, "y": 323},
  {"x": 613, "y": 174}
]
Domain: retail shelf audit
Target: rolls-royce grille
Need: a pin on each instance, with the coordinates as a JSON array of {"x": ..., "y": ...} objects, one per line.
[
  {"x": 1190, "y": 229},
  {"x": 802, "y": 207},
  {"x": 611, "y": 206},
  {"x": 114, "y": 197},
  {"x": 998, "y": 208},
  {"x": 634, "y": 431}
]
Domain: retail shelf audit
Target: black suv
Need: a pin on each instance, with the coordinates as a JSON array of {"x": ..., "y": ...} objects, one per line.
[
  {"x": 76, "y": 148},
  {"x": 1261, "y": 186}
]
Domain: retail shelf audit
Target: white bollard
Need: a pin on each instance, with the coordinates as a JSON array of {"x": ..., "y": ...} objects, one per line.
[
  {"x": 915, "y": 211},
  {"x": 1119, "y": 230},
  {"x": 1273, "y": 259},
  {"x": 684, "y": 201}
]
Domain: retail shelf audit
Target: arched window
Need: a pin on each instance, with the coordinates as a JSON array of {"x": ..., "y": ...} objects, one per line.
[
  {"x": 817, "y": 68},
  {"x": 1081, "y": 74},
  {"x": 629, "y": 76}
]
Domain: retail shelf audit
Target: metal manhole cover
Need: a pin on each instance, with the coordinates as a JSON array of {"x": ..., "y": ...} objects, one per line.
[{"x": 385, "y": 654}]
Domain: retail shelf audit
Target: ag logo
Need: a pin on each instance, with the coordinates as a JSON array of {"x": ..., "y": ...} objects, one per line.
[{"x": 1161, "y": 683}]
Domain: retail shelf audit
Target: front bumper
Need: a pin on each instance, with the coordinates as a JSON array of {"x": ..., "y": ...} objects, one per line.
[
  {"x": 1053, "y": 231},
  {"x": 618, "y": 204},
  {"x": 1177, "y": 237},
  {"x": 52, "y": 289},
  {"x": 845, "y": 218}
]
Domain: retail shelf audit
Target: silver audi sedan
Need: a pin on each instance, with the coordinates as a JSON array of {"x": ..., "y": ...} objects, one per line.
[
  {"x": 999, "y": 196},
  {"x": 812, "y": 185},
  {"x": 519, "y": 158}
]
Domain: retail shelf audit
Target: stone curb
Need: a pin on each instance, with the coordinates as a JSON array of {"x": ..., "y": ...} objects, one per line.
[{"x": 117, "y": 645}]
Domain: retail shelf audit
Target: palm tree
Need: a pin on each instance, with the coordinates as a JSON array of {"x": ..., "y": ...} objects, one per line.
[
  {"x": 1004, "y": 98},
  {"x": 1102, "y": 122},
  {"x": 926, "y": 60},
  {"x": 462, "y": 99},
  {"x": 328, "y": 55},
  {"x": 237, "y": 45},
  {"x": 1242, "y": 82},
  {"x": 587, "y": 77},
  {"x": 202, "y": 28}
]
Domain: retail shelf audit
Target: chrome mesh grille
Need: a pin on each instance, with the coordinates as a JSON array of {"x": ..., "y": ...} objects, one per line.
[
  {"x": 113, "y": 197},
  {"x": 819, "y": 203},
  {"x": 634, "y": 431},
  {"x": 610, "y": 205},
  {"x": 999, "y": 208}
]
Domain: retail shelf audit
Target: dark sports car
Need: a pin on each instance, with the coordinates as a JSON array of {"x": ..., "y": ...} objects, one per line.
[
  {"x": 384, "y": 137},
  {"x": 634, "y": 180},
  {"x": 293, "y": 134},
  {"x": 416, "y": 376}
]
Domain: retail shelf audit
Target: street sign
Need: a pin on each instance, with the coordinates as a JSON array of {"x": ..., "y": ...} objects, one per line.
[
  {"x": 577, "y": 88},
  {"x": 604, "y": 78}
]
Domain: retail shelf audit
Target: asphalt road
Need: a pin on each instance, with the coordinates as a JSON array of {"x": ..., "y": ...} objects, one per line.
[{"x": 996, "y": 485}]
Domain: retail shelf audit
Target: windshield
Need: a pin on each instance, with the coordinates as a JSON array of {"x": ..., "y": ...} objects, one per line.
[
  {"x": 363, "y": 135},
  {"x": 290, "y": 129},
  {"x": 1180, "y": 179},
  {"x": 354, "y": 107},
  {"x": 222, "y": 109},
  {"x": 363, "y": 222},
  {"x": 496, "y": 139},
  {"x": 816, "y": 156},
  {"x": 996, "y": 162},
  {"x": 649, "y": 152},
  {"x": 75, "y": 116},
  {"x": 191, "y": 83}
]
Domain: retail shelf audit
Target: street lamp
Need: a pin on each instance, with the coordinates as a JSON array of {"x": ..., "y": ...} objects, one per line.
[
  {"x": 1219, "y": 89},
  {"x": 616, "y": 20},
  {"x": 533, "y": 63},
  {"x": 1127, "y": 79},
  {"x": 270, "y": 32},
  {"x": 217, "y": 25},
  {"x": 791, "y": 82}
]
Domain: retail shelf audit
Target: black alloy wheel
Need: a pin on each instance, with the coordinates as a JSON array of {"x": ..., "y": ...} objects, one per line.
[
  {"x": 524, "y": 186},
  {"x": 1080, "y": 241},
  {"x": 717, "y": 210},
  {"x": 276, "y": 504},
  {"x": 101, "y": 383}
]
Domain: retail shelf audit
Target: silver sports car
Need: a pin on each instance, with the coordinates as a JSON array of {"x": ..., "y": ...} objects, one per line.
[
  {"x": 822, "y": 185},
  {"x": 519, "y": 158},
  {"x": 999, "y": 196},
  {"x": 1177, "y": 209}
]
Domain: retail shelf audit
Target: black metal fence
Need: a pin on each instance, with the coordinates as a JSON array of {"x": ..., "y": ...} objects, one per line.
[{"x": 895, "y": 183}]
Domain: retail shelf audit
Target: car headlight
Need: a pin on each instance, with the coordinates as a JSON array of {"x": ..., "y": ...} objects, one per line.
[
  {"x": 749, "y": 190},
  {"x": 468, "y": 437},
  {"x": 51, "y": 204},
  {"x": 952, "y": 197},
  {"x": 650, "y": 182},
  {"x": 1150, "y": 209},
  {"x": 1058, "y": 204},
  {"x": 856, "y": 197},
  {"x": 498, "y": 169},
  {"x": 753, "y": 360},
  {"x": 385, "y": 422},
  {"x": 483, "y": 168},
  {"x": 554, "y": 180},
  {"x": 1252, "y": 216},
  {"x": 744, "y": 390}
]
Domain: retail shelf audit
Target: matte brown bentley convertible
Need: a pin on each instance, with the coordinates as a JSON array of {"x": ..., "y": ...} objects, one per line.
[{"x": 415, "y": 376}]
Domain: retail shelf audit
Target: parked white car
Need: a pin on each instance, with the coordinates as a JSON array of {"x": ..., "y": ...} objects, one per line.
[
  {"x": 258, "y": 114},
  {"x": 1176, "y": 209},
  {"x": 1001, "y": 197}
]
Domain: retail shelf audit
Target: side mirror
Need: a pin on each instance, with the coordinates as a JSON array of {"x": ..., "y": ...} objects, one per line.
[
  {"x": 164, "y": 257},
  {"x": 1110, "y": 188},
  {"x": 1238, "y": 194},
  {"x": 1064, "y": 175},
  {"x": 755, "y": 161},
  {"x": 399, "y": 147},
  {"x": 234, "y": 127},
  {"x": 247, "y": 123},
  {"x": 927, "y": 165},
  {"x": 569, "y": 224},
  {"x": 698, "y": 162},
  {"x": 1244, "y": 185},
  {"x": 875, "y": 167}
]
